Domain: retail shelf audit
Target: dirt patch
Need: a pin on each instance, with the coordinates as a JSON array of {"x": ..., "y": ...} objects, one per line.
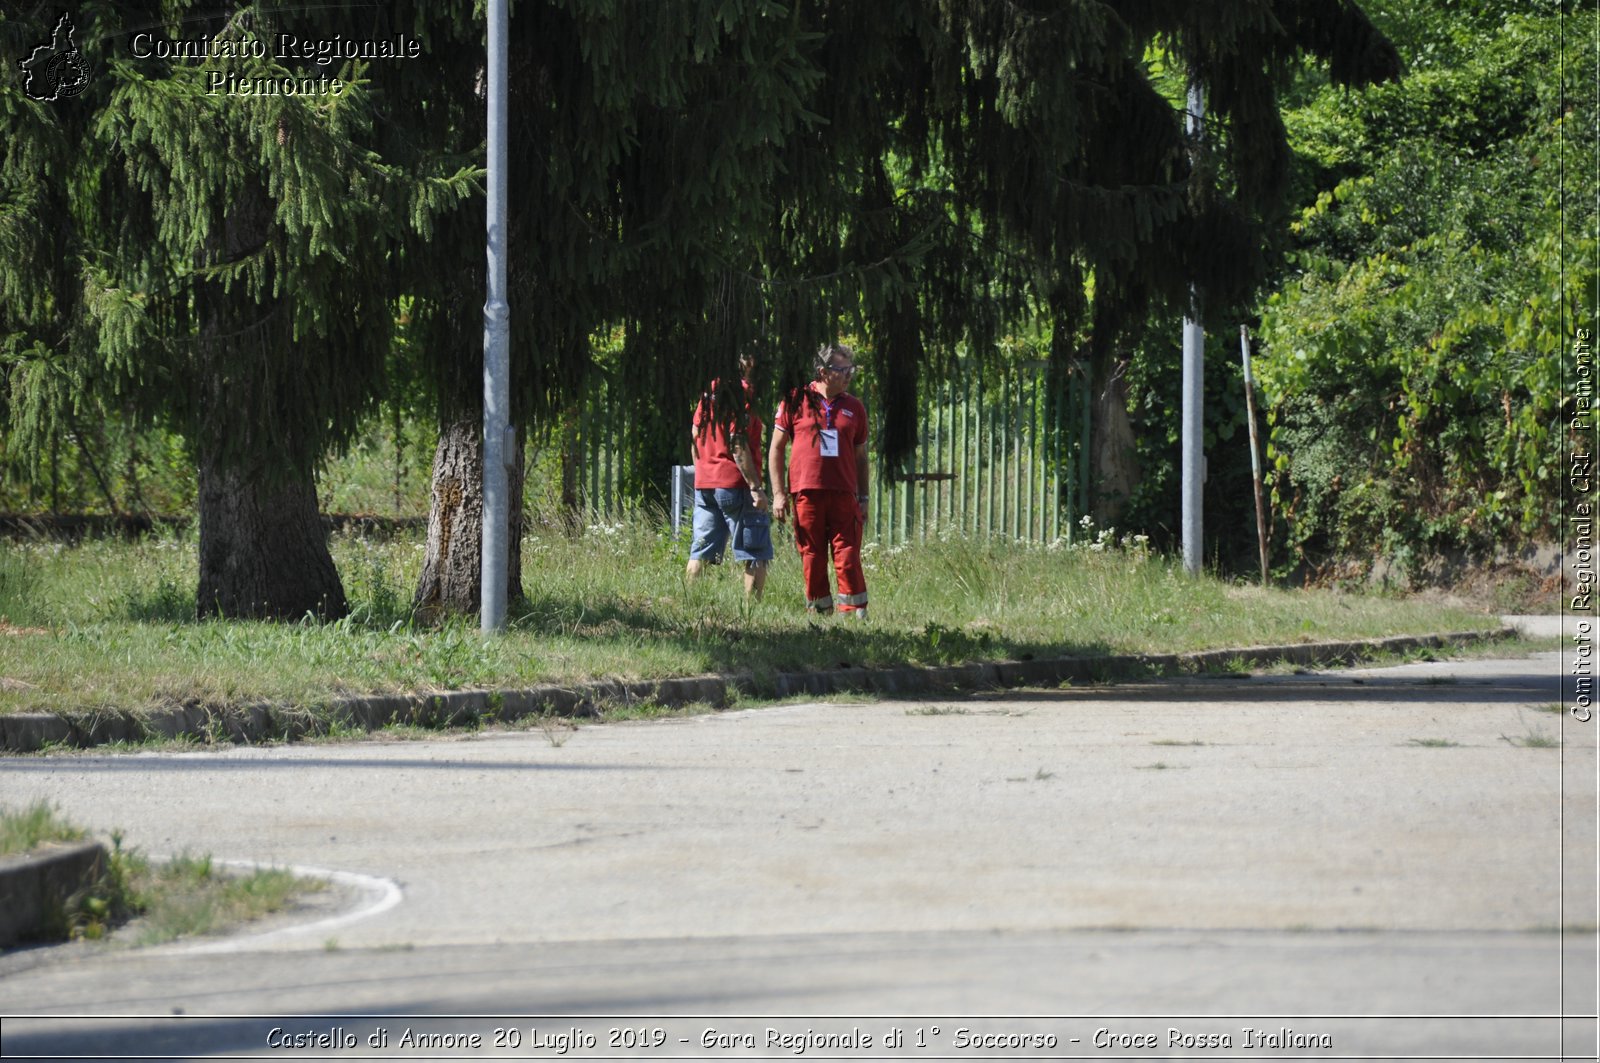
[
  {"x": 1528, "y": 581},
  {"x": 1499, "y": 588}
]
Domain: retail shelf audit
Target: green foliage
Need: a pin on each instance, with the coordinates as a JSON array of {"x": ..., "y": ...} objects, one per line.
[
  {"x": 112, "y": 899},
  {"x": 217, "y": 260},
  {"x": 215, "y": 263},
  {"x": 102, "y": 465},
  {"x": 1155, "y": 381},
  {"x": 1414, "y": 358},
  {"x": 100, "y": 903},
  {"x": 696, "y": 178}
]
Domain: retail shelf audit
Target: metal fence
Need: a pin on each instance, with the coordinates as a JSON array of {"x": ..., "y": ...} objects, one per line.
[{"x": 1000, "y": 454}]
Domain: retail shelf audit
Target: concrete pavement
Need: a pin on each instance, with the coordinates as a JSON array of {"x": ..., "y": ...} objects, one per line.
[{"x": 1400, "y": 861}]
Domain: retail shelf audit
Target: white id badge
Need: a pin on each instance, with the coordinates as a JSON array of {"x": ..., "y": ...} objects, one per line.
[{"x": 830, "y": 442}]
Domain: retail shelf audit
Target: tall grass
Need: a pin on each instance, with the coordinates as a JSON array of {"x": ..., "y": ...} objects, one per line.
[{"x": 109, "y": 625}]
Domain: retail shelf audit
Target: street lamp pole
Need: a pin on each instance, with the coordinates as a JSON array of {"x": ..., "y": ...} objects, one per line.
[
  {"x": 496, "y": 340},
  {"x": 1193, "y": 386}
]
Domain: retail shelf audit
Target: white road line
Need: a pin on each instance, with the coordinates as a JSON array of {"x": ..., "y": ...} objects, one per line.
[{"x": 377, "y": 895}]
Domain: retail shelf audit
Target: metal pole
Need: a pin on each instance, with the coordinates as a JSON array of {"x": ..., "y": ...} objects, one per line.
[
  {"x": 1255, "y": 448},
  {"x": 1194, "y": 353},
  {"x": 496, "y": 341},
  {"x": 1058, "y": 455}
]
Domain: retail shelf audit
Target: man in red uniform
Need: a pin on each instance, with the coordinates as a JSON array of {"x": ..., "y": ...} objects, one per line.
[
  {"x": 826, "y": 483},
  {"x": 729, "y": 503}
]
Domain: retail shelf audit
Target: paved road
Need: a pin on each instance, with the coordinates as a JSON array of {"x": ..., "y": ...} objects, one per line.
[{"x": 1399, "y": 861}]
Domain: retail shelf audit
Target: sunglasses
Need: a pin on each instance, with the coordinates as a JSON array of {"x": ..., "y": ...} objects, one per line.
[{"x": 842, "y": 370}]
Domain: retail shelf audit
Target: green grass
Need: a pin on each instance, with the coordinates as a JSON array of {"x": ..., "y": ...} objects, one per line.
[
  {"x": 189, "y": 897},
  {"x": 156, "y": 902},
  {"x": 31, "y": 827},
  {"x": 107, "y": 626}
]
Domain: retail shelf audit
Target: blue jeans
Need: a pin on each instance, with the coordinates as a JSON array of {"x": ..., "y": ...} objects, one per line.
[{"x": 725, "y": 513}]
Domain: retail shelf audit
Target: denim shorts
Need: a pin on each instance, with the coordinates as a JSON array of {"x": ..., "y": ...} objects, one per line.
[{"x": 725, "y": 513}]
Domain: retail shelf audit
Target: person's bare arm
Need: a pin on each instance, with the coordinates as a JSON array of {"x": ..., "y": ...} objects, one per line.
[
  {"x": 778, "y": 472},
  {"x": 748, "y": 468}
]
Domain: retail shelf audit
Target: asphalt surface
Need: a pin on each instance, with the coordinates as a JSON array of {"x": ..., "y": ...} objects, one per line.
[{"x": 1368, "y": 863}]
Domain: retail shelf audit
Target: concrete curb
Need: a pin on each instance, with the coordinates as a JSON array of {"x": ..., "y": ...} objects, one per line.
[
  {"x": 26, "y": 733},
  {"x": 35, "y": 886}
]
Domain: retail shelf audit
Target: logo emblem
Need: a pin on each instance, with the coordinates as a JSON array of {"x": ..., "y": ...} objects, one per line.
[{"x": 56, "y": 71}]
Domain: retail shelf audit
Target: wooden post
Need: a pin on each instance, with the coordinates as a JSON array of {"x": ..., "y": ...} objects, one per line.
[{"x": 1255, "y": 449}]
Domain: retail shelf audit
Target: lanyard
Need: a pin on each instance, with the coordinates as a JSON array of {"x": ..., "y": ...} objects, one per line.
[{"x": 827, "y": 414}]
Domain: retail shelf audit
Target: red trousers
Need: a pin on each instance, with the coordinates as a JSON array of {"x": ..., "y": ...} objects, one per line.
[{"x": 828, "y": 522}]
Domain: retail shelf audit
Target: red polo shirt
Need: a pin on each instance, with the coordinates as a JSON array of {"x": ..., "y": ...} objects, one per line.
[
  {"x": 808, "y": 469},
  {"x": 713, "y": 462}
]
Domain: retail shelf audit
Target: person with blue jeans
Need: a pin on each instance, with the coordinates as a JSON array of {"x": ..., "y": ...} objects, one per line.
[{"x": 730, "y": 503}]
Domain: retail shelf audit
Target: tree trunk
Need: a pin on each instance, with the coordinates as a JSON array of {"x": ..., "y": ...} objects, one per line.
[
  {"x": 1114, "y": 462},
  {"x": 452, "y": 572},
  {"x": 263, "y": 548}
]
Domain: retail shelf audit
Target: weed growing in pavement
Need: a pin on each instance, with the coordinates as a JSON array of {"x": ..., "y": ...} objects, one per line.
[
  {"x": 1532, "y": 737},
  {"x": 1532, "y": 740},
  {"x": 1233, "y": 666},
  {"x": 556, "y": 729},
  {"x": 334, "y": 727},
  {"x": 650, "y": 709}
]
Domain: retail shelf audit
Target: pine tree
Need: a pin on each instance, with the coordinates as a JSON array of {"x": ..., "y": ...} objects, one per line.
[
  {"x": 979, "y": 166},
  {"x": 705, "y": 175},
  {"x": 221, "y": 255},
  {"x": 644, "y": 135},
  {"x": 1071, "y": 194},
  {"x": 713, "y": 176}
]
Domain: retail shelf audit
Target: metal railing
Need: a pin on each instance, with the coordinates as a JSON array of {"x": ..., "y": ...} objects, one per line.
[{"x": 1001, "y": 454}]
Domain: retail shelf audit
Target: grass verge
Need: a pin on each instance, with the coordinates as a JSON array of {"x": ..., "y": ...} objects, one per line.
[
  {"x": 138, "y": 901},
  {"x": 107, "y": 627}
]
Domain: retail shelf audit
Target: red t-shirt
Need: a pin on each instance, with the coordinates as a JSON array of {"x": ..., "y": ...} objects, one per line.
[
  {"x": 809, "y": 470},
  {"x": 713, "y": 462}
]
